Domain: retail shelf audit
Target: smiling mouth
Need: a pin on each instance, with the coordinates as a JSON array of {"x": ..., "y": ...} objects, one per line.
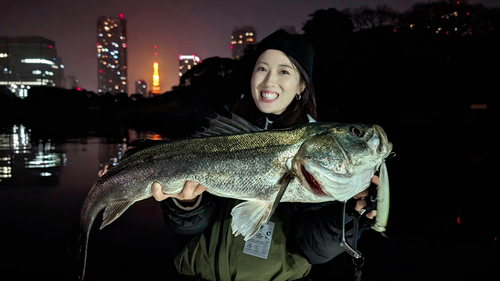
[
  {"x": 312, "y": 182},
  {"x": 269, "y": 96}
]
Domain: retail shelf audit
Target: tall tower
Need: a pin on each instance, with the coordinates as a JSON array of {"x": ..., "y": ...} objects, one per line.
[
  {"x": 241, "y": 37},
  {"x": 155, "y": 89},
  {"x": 112, "y": 55}
]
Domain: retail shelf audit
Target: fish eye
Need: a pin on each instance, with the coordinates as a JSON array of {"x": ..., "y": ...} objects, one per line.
[{"x": 356, "y": 131}]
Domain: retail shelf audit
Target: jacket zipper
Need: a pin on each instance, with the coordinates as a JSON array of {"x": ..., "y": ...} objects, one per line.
[{"x": 219, "y": 242}]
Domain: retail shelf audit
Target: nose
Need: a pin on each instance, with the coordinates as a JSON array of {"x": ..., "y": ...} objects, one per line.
[{"x": 270, "y": 79}]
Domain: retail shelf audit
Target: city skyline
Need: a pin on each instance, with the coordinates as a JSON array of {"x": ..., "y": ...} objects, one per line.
[{"x": 177, "y": 28}]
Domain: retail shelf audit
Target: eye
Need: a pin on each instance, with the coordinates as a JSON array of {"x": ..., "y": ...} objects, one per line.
[
  {"x": 356, "y": 131},
  {"x": 261, "y": 68},
  {"x": 284, "y": 72}
]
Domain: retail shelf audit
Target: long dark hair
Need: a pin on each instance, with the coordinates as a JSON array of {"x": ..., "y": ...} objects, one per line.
[{"x": 296, "y": 112}]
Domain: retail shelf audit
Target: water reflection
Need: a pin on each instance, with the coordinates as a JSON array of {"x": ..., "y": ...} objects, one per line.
[{"x": 22, "y": 160}]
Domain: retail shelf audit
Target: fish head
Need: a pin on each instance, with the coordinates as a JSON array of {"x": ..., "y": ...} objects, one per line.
[{"x": 339, "y": 160}]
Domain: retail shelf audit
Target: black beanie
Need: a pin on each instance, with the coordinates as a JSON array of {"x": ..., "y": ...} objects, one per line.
[{"x": 294, "y": 45}]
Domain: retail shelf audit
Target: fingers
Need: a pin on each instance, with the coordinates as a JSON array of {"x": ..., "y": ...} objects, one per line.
[
  {"x": 157, "y": 192},
  {"x": 372, "y": 214},
  {"x": 360, "y": 205},
  {"x": 362, "y": 194},
  {"x": 190, "y": 191},
  {"x": 376, "y": 180}
]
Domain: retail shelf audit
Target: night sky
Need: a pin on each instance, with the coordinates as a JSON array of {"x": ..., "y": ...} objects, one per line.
[{"x": 177, "y": 27}]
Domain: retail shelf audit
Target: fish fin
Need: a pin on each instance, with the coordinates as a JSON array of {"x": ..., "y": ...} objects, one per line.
[
  {"x": 249, "y": 216},
  {"x": 221, "y": 125},
  {"x": 114, "y": 210}
]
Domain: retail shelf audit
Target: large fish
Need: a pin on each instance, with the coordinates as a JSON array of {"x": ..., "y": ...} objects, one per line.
[{"x": 322, "y": 162}]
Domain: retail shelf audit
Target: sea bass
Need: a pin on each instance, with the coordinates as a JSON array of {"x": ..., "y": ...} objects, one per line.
[{"x": 234, "y": 159}]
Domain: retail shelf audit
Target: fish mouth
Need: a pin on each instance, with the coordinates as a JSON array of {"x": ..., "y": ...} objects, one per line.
[
  {"x": 315, "y": 186},
  {"x": 323, "y": 181}
]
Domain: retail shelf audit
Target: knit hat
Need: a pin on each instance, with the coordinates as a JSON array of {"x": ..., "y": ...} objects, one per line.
[{"x": 294, "y": 45}]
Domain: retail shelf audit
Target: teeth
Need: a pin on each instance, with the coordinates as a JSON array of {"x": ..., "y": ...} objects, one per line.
[{"x": 269, "y": 96}]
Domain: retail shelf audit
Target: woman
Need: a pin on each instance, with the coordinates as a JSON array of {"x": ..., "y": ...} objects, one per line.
[{"x": 281, "y": 96}]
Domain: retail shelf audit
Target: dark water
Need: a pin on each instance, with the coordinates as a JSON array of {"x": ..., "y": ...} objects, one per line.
[{"x": 443, "y": 223}]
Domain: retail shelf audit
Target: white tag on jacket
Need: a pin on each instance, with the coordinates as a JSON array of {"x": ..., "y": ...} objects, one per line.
[{"x": 260, "y": 243}]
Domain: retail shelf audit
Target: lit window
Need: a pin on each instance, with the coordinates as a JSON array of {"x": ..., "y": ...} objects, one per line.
[
  {"x": 106, "y": 28},
  {"x": 180, "y": 73},
  {"x": 241, "y": 36},
  {"x": 44, "y": 61},
  {"x": 249, "y": 39},
  {"x": 116, "y": 87},
  {"x": 189, "y": 66},
  {"x": 3, "y": 55},
  {"x": 240, "y": 42},
  {"x": 180, "y": 67}
]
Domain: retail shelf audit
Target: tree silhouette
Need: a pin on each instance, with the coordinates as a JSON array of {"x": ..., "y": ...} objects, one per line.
[{"x": 367, "y": 18}]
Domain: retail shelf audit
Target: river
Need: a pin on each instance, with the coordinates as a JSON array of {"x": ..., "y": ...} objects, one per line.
[{"x": 442, "y": 226}]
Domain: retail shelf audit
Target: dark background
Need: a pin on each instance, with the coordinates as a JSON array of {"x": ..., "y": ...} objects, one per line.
[{"x": 421, "y": 86}]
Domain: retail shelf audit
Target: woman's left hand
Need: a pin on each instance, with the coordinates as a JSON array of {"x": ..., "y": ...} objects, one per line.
[{"x": 361, "y": 203}]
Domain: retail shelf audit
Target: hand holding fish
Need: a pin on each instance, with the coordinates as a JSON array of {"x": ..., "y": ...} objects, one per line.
[
  {"x": 189, "y": 193},
  {"x": 361, "y": 203}
]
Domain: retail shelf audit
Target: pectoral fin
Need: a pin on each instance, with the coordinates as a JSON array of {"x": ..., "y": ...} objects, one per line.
[
  {"x": 114, "y": 210},
  {"x": 249, "y": 216}
]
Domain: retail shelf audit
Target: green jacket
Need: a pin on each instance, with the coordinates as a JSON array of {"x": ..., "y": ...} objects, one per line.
[{"x": 218, "y": 252}]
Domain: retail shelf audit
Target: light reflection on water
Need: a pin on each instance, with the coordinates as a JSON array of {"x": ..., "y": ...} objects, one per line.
[
  {"x": 24, "y": 159},
  {"x": 43, "y": 184}
]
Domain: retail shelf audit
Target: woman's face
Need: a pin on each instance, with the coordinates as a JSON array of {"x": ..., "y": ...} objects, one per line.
[{"x": 275, "y": 82}]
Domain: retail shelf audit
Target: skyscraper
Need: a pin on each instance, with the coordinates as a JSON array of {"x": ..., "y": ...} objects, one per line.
[
  {"x": 186, "y": 62},
  {"x": 112, "y": 55},
  {"x": 29, "y": 61},
  {"x": 242, "y": 37}
]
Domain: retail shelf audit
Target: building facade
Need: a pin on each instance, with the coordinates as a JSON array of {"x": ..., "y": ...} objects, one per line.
[
  {"x": 112, "y": 55},
  {"x": 70, "y": 83},
  {"x": 240, "y": 39},
  {"x": 141, "y": 88},
  {"x": 29, "y": 61},
  {"x": 186, "y": 62}
]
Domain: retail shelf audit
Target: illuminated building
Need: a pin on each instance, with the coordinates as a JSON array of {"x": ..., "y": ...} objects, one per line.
[
  {"x": 112, "y": 55},
  {"x": 155, "y": 89},
  {"x": 141, "y": 88},
  {"x": 29, "y": 61},
  {"x": 186, "y": 62},
  {"x": 242, "y": 37}
]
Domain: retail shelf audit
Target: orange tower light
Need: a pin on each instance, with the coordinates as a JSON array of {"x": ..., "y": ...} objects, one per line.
[{"x": 156, "y": 77}]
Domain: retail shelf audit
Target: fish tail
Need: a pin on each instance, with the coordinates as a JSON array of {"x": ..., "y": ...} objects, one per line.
[{"x": 83, "y": 237}]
